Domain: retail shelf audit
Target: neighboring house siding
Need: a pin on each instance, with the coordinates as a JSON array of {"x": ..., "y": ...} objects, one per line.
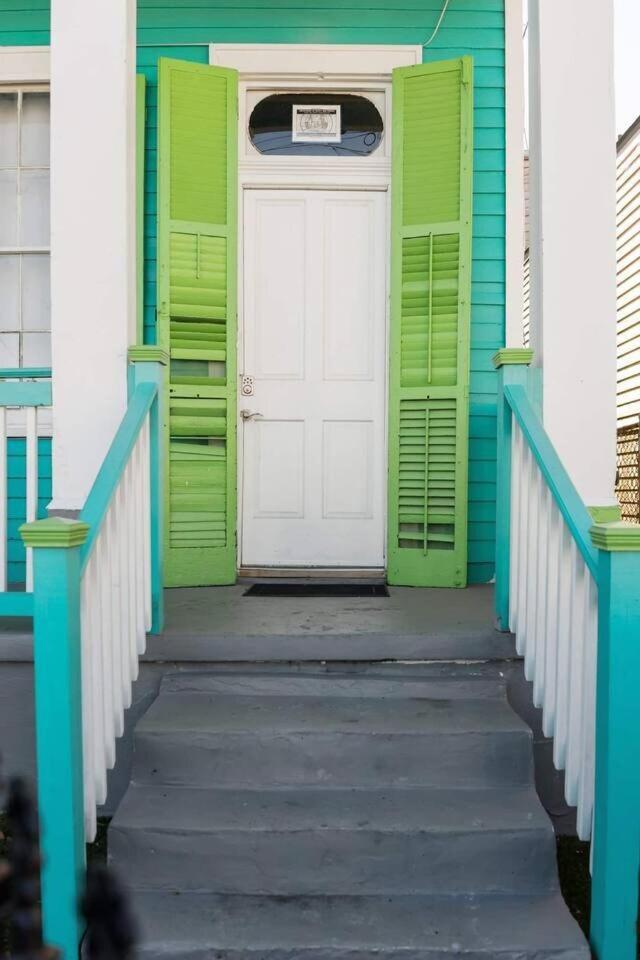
[
  {"x": 628, "y": 292},
  {"x": 24, "y": 22},
  {"x": 474, "y": 27}
]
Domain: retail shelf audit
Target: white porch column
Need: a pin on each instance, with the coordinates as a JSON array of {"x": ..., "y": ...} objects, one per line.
[
  {"x": 93, "y": 239},
  {"x": 572, "y": 220}
]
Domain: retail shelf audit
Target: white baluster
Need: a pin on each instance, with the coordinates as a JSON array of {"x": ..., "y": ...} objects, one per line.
[
  {"x": 551, "y": 627},
  {"x": 576, "y": 681},
  {"x": 564, "y": 627},
  {"x": 32, "y": 481},
  {"x": 141, "y": 583},
  {"x": 542, "y": 582},
  {"x": 86, "y": 682},
  {"x": 523, "y": 564},
  {"x": 588, "y": 727},
  {"x": 146, "y": 514},
  {"x": 516, "y": 513}
]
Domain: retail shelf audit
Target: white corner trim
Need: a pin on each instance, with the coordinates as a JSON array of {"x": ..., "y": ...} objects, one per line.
[
  {"x": 326, "y": 60},
  {"x": 25, "y": 65},
  {"x": 514, "y": 179}
]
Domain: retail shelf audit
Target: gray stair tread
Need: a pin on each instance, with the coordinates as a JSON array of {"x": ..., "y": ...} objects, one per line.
[
  {"x": 406, "y": 810},
  {"x": 203, "y": 713},
  {"x": 509, "y": 928},
  {"x": 340, "y": 685}
]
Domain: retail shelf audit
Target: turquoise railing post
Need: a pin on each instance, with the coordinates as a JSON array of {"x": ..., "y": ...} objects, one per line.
[
  {"x": 56, "y": 544},
  {"x": 616, "y": 828},
  {"x": 148, "y": 365},
  {"x": 513, "y": 370}
]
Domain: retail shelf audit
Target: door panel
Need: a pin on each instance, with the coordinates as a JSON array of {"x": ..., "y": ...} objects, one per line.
[{"x": 315, "y": 341}]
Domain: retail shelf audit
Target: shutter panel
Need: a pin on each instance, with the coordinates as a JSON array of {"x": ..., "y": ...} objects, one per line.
[
  {"x": 430, "y": 316},
  {"x": 197, "y": 184}
]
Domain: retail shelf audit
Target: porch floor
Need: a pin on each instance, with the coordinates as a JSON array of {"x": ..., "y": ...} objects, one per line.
[{"x": 221, "y": 624}]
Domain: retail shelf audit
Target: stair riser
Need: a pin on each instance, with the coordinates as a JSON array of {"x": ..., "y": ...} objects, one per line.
[
  {"x": 306, "y": 686},
  {"x": 325, "y": 862},
  {"x": 338, "y": 759},
  {"x": 340, "y": 952}
]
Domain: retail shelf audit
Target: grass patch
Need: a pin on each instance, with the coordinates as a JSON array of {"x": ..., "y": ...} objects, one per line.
[{"x": 575, "y": 879}]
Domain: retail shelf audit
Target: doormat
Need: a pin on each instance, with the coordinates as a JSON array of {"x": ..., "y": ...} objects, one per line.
[{"x": 338, "y": 590}]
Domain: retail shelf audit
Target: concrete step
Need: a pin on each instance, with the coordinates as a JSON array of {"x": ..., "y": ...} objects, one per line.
[
  {"x": 294, "y": 684},
  {"x": 309, "y": 842},
  {"x": 199, "y": 739},
  {"x": 201, "y": 927}
]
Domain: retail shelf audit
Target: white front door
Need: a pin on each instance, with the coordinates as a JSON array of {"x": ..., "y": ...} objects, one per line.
[{"x": 314, "y": 340}]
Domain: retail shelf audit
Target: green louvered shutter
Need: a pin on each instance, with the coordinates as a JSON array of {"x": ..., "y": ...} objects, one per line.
[
  {"x": 430, "y": 315},
  {"x": 197, "y": 190}
]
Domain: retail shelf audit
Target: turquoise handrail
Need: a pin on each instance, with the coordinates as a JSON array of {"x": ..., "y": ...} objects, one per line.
[
  {"x": 567, "y": 499},
  {"x": 25, "y": 373},
  {"x": 104, "y": 487}
]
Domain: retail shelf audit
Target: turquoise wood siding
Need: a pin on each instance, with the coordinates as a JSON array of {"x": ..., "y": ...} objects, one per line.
[
  {"x": 475, "y": 27},
  {"x": 17, "y": 507}
]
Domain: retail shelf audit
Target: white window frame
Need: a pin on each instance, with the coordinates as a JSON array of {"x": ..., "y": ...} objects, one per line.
[{"x": 27, "y": 69}]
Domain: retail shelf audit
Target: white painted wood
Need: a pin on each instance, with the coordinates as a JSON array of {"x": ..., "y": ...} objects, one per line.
[
  {"x": 554, "y": 614},
  {"x": 314, "y": 338},
  {"x": 31, "y": 457},
  {"x": 514, "y": 186},
  {"x": 115, "y": 614},
  {"x": 25, "y": 65},
  {"x": 93, "y": 63},
  {"x": 573, "y": 283},
  {"x": 3, "y": 498},
  {"x": 331, "y": 61}
]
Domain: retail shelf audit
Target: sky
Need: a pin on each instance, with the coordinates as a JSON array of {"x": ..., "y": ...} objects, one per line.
[{"x": 627, "y": 40}]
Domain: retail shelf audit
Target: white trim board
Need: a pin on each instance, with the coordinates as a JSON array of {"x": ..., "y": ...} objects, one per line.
[
  {"x": 330, "y": 61},
  {"x": 25, "y": 65},
  {"x": 514, "y": 176}
]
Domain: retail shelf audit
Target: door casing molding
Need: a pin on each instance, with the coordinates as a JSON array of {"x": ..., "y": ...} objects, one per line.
[{"x": 269, "y": 68}]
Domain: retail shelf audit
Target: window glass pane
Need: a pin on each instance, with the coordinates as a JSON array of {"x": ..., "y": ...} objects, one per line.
[
  {"x": 36, "y": 298},
  {"x": 10, "y": 350},
  {"x": 36, "y": 350},
  {"x": 9, "y": 208},
  {"x": 270, "y": 125},
  {"x": 34, "y": 214},
  {"x": 35, "y": 130},
  {"x": 8, "y": 129},
  {"x": 9, "y": 285}
]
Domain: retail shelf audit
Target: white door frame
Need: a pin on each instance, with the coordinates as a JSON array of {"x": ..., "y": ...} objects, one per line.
[{"x": 270, "y": 68}]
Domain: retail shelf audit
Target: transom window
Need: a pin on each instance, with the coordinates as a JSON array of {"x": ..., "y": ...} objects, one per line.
[
  {"x": 25, "y": 303},
  {"x": 315, "y": 124}
]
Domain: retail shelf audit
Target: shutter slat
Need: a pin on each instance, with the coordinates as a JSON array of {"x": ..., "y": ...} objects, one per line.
[{"x": 431, "y": 257}]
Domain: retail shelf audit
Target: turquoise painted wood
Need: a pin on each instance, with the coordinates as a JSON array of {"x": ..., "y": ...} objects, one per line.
[
  {"x": 616, "y": 831},
  {"x": 112, "y": 468},
  {"x": 25, "y": 394},
  {"x": 573, "y": 510},
  {"x": 16, "y": 603},
  {"x": 474, "y": 27},
  {"x": 25, "y": 373},
  {"x": 58, "y": 698},
  {"x": 149, "y": 372},
  {"x": 12, "y": 604}
]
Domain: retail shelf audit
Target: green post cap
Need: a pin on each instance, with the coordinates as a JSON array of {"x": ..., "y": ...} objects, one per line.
[
  {"x": 610, "y": 514},
  {"x": 616, "y": 536},
  {"x": 54, "y": 532},
  {"x": 512, "y": 355},
  {"x": 148, "y": 353}
]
